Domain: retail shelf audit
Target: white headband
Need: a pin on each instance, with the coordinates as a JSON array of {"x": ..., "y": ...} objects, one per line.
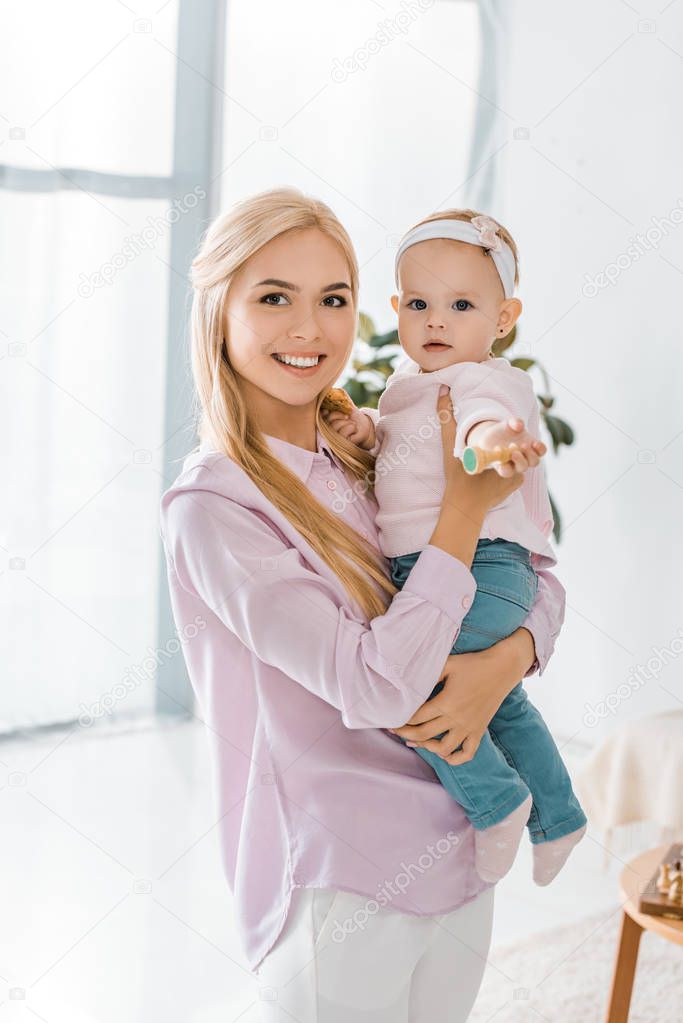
[{"x": 477, "y": 231}]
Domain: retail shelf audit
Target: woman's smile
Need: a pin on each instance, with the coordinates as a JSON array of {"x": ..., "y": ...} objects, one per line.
[{"x": 302, "y": 366}]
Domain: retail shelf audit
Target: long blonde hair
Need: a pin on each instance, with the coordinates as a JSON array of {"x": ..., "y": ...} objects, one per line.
[{"x": 222, "y": 414}]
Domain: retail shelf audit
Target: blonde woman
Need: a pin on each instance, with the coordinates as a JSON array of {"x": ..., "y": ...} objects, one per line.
[{"x": 352, "y": 869}]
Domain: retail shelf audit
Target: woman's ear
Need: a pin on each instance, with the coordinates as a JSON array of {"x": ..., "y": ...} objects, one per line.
[{"x": 394, "y": 303}]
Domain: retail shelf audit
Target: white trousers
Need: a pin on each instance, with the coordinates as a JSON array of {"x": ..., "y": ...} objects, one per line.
[{"x": 340, "y": 958}]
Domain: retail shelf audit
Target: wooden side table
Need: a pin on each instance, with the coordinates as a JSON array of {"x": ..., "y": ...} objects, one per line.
[{"x": 632, "y": 882}]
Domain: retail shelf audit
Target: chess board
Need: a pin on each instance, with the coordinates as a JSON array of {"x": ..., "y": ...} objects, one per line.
[{"x": 651, "y": 900}]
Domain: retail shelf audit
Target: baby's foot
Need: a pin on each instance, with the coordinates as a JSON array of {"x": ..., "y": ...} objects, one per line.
[
  {"x": 550, "y": 857},
  {"x": 495, "y": 848}
]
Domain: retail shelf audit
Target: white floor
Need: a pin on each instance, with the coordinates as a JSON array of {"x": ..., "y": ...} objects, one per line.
[{"x": 113, "y": 903}]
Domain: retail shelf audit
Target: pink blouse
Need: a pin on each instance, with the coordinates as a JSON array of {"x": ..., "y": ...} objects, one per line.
[{"x": 296, "y": 689}]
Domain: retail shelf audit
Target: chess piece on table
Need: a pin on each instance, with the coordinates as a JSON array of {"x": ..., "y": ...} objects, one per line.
[
  {"x": 664, "y": 880},
  {"x": 676, "y": 890}
]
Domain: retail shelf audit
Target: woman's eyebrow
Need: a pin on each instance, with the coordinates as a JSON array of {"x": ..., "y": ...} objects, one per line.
[
  {"x": 293, "y": 287},
  {"x": 277, "y": 284},
  {"x": 337, "y": 287}
]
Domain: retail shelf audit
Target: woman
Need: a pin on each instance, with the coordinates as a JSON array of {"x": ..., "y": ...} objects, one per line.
[{"x": 351, "y": 867}]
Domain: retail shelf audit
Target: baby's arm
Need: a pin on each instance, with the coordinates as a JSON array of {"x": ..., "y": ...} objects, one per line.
[
  {"x": 494, "y": 433},
  {"x": 494, "y": 412}
]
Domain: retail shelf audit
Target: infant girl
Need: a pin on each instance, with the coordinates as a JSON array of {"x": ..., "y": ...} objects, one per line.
[{"x": 456, "y": 273}]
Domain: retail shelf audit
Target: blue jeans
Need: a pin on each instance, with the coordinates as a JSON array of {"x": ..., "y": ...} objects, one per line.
[{"x": 517, "y": 755}]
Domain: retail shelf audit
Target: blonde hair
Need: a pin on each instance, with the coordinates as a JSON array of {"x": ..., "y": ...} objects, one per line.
[
  {"x": 223, "y": 415},
  {"x": 456, "y": 214}
]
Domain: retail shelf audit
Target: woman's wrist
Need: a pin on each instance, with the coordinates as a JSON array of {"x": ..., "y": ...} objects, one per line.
[
  {"x": 513, "y": 655},
  {"x": 458, "y": 527},
  {"x": 526, "y": 648}
]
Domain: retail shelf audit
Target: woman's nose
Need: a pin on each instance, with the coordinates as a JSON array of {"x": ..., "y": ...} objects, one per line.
[{"x": 306, "y": 329}]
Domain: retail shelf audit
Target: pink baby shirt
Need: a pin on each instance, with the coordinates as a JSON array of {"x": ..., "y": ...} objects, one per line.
[
  {"x": 409, "y": 456},
  {"x": 296, "y": 689}
]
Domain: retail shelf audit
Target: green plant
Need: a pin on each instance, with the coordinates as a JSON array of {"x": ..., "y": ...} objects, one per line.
[{"x": 370, "y": 371}]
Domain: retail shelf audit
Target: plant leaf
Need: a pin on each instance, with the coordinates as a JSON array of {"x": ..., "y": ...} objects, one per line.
[
  {"x": 554, "y": 427},
  {"x": 557, "y": 524},
  {"x": 502, "y": 344},
  {"x": 366, "y": 327},
  {"x": 377, "y": 340}
]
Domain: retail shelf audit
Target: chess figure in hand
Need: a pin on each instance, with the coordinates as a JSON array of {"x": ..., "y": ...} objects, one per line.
[{"x": 456, "y": 274}]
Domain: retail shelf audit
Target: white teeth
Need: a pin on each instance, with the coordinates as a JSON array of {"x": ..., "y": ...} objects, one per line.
[{"x": 297, "y": 360}]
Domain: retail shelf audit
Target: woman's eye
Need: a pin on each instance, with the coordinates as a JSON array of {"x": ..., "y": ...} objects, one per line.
[
  {"x": 274, "y": 295},
  {"x": 338, "y": 299},
  {"x": 462, "y": 304},
  {"x": 418, "y": 304}
]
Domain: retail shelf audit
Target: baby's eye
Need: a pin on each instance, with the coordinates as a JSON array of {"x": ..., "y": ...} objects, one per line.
[
  {"x": 417, "y": 303},
  {"x": 462, "y": 304},
  {"x": 276, "y": 295}
]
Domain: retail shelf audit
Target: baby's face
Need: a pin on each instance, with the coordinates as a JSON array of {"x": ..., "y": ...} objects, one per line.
[{"x": 449, "y": 303}]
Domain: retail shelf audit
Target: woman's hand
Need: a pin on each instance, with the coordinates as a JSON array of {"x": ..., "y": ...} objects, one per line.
[{"x": 475, "y": 685}]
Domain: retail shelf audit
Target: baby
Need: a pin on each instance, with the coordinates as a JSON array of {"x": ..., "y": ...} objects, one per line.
[{"x": 456, "y": 274}]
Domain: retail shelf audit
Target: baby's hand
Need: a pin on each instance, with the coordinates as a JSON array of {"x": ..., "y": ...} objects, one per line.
[
  {"x": 508, "y": 432},
  {"x": 356, "y": 427}
]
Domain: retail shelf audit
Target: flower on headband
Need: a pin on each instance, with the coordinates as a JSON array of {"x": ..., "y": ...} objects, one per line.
[{"x": 487, "y": 228}]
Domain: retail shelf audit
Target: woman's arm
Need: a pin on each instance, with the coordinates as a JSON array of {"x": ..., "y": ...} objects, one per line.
[
  {"x": 476, "y": 684},
  {"x": 292, "y": 618}
]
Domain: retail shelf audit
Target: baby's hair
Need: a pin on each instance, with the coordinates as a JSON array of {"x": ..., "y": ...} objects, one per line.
[{"x": 456, "y": 214}]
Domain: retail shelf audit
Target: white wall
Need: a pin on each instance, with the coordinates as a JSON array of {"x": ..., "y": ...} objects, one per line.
[
  {"x": 601, "y": 96},
  {"x": 369, "y": 107}
]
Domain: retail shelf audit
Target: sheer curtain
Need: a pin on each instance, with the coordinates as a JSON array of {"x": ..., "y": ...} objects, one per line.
[{"x": 91, "y": 203}]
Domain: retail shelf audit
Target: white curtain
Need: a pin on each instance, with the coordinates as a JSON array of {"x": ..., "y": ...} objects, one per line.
[{"x": 88, "y": 144}]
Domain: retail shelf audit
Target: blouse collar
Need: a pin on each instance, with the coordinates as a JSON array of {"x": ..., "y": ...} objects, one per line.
[{"x": 301, "y": 460}]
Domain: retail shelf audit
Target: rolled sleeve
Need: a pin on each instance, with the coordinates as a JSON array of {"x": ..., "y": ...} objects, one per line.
[
  {"x": 468, "y": 418},
  {"x": 545, "y": 619},
  {"x": 445, "y": 581}
]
